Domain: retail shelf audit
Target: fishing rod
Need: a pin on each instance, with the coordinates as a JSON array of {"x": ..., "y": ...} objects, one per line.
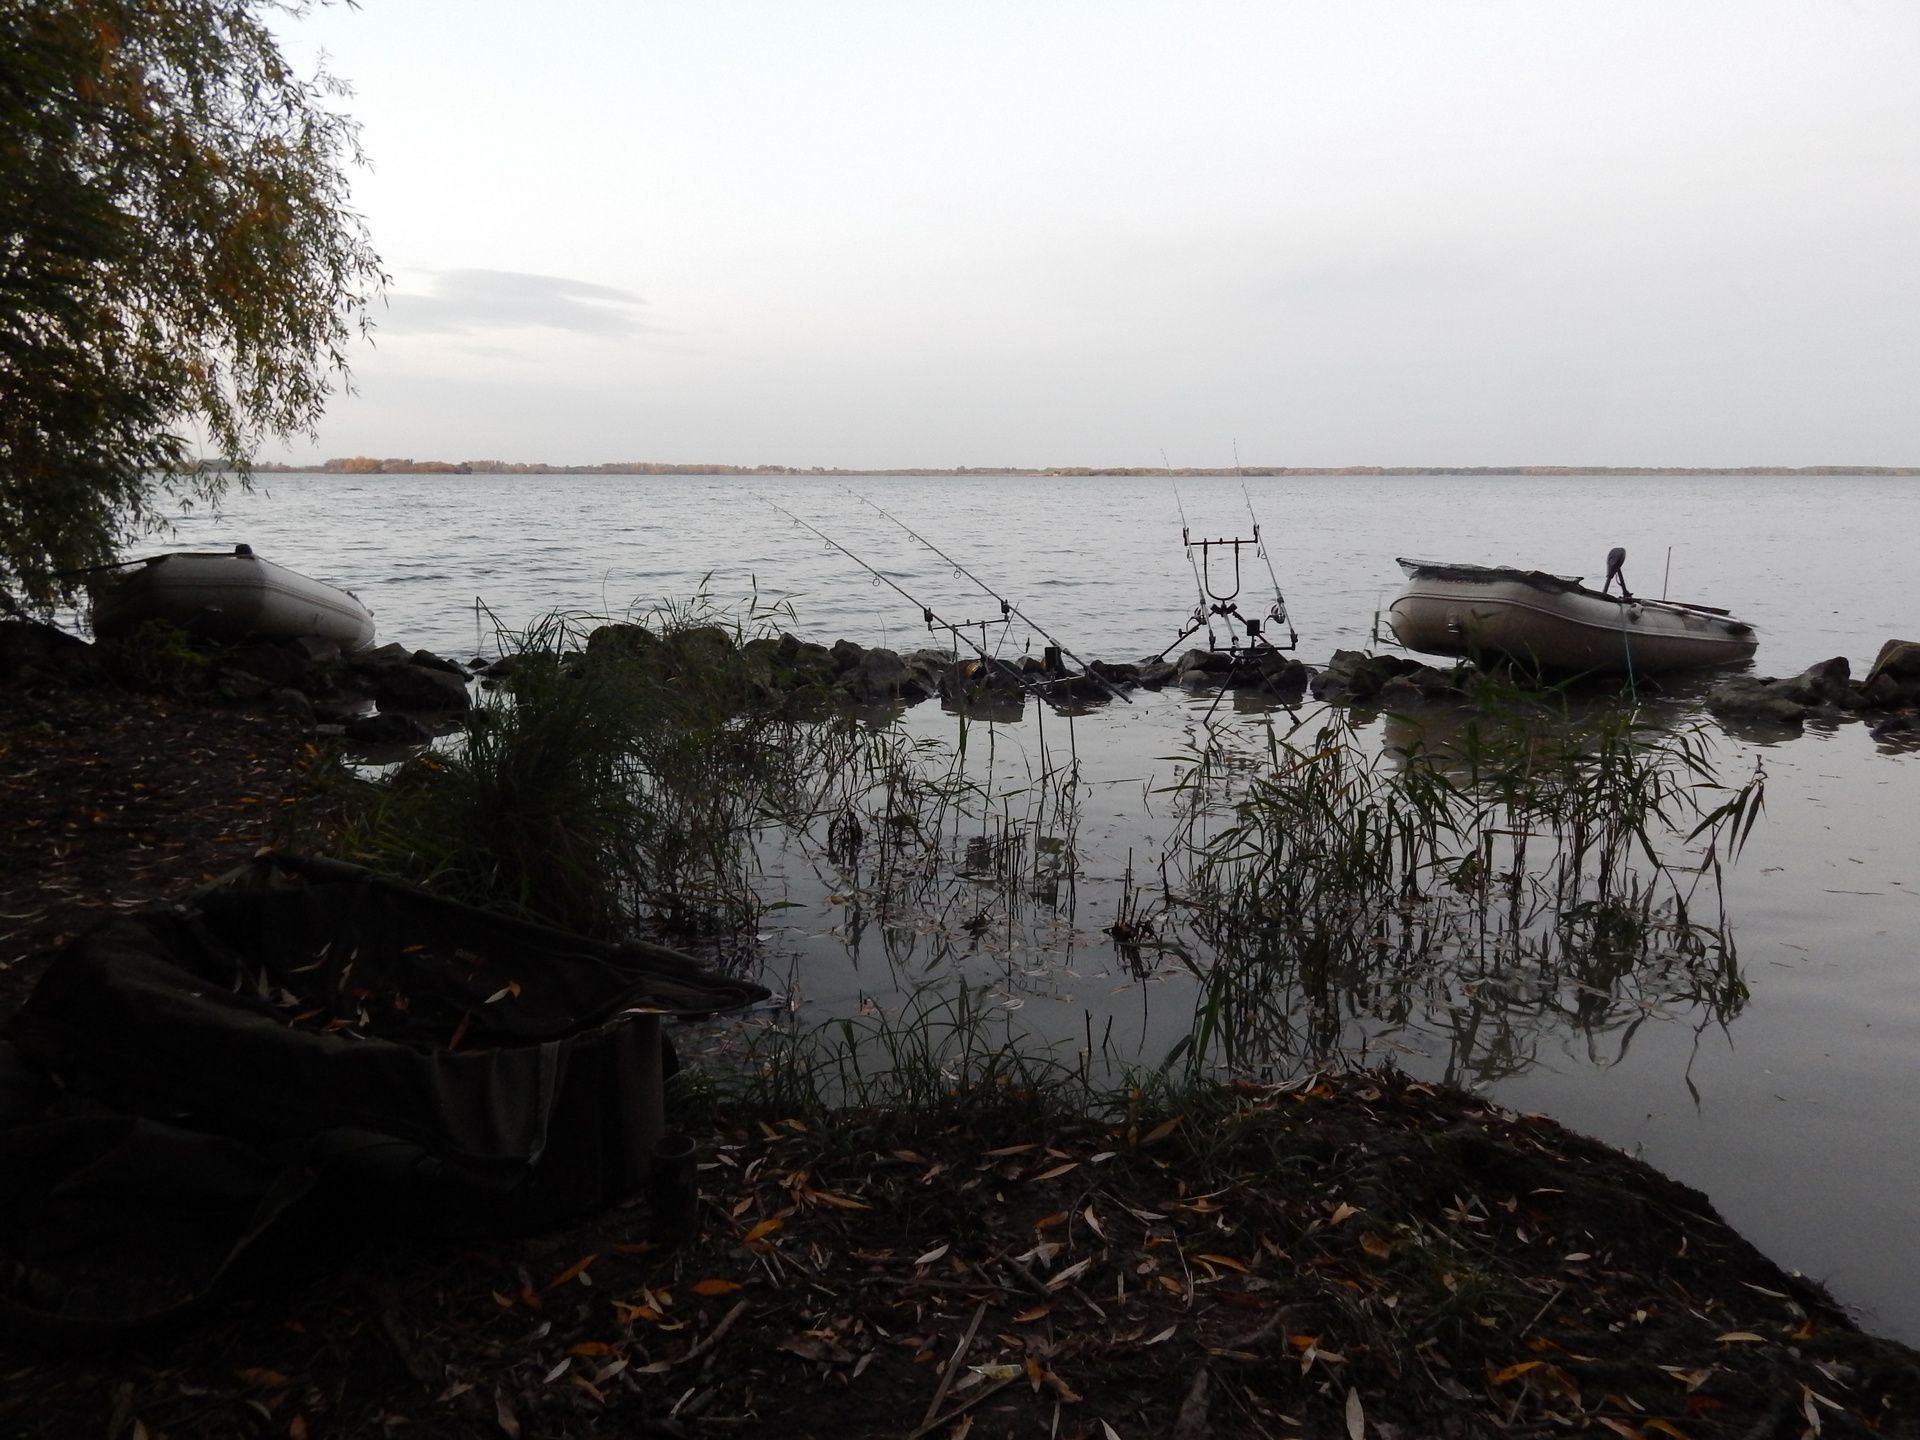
[
  {"x": 1278, "y": 614},
  {"x": 926, "y": 611},
  {"x": 1007, "y": 607},
  {"x": 1200, "y": 610},
  {"x": 1212, "y": 602}
]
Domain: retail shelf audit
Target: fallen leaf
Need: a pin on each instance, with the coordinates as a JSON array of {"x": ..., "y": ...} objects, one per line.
[
  {"x": 1741, "y": 1337},
  {"x": 504, "y": 1417},
  {"x": 761, "y": 1231},
  {"x": 1072, "y": 1273},
  {"x": 1226, "y": 1260},
  {"x": 1157, "y": 1134},
  {"x": 1038, "y": 1312},
  {"x": 1342, "y": 1213},
  {"x": 1513, "y": 1372},
  {"x": 577, "y": 1268},
  {"x": 1166, "y": 1334},
  {"x": 1376, "y": 1246},
  {"x": 841, "y": 1202},
  {"x": 557, "y": 1371},
  {"x": 995, "y": 1372},
  {"x": 1356, "y": 1417},
  {"x": 715, "y": 1287},
  {"x": 1057, "y": 1171},
  {"x": 934, "y": 1254}
]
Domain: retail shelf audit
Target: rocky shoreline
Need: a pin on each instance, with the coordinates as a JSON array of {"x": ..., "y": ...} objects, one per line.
[
  {"x": 1888, "y": 698},
  {"x": 392, "y": 695}
]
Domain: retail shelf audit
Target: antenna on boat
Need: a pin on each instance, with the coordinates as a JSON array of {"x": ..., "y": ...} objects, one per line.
[
  {"x": 1007, "y": 607},
  {"x": 1664, "y": 579}
]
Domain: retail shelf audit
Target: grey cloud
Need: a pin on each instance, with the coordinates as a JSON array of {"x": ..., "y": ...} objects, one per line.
[{"x": 459, "y": 302}]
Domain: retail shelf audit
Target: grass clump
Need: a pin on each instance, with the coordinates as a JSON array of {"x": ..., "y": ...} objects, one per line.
[
  {"x": 615, "y": 779},
  {"x": 1522, "y": 867}
]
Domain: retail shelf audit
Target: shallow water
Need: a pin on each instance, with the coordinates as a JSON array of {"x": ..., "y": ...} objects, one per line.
[{"x": 1792, "y": 1112}]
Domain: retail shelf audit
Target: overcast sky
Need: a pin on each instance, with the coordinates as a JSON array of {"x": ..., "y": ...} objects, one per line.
[{"x": 1359, "y": 231}]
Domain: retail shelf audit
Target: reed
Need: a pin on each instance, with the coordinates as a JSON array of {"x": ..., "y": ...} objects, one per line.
[
  {"x": 1526, "y": 866},
  {"x": 610, "y": 785}
]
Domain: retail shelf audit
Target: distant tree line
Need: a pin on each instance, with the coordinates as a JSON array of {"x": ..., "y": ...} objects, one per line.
[{"x": 367, "y": 465}]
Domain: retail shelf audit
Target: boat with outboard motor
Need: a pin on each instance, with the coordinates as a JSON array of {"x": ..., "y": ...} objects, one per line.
[
  {"x": 227, "y": 595},
  {"x": 1557, "y": 623}
]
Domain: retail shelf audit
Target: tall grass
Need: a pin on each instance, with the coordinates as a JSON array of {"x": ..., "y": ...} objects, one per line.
[
  {"x": 1527, "y": 865},
  {"x": 612, "y": 785}
]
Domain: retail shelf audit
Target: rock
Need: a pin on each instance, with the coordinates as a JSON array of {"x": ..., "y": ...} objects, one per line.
[
  {"x": 1154, "y": 674},
  {"x": 1119, "y": 674},
  {"x": 386, "y": 728},
  {"x": 699, "y": 647},
  {"x": 382, "y": 657},
  {"x": 1358, "y": 678},
  {"x": 1822, "y": 684},
  {"x": 1903, "y": 727},
  {"x": 1756, "y": 700},
  {"x": 314, "y": 650},
  {"x": 965, "y": 682},
  {"x": 789, "y": 664},
  {"x": 431, "y": 661},
  {"x": 1898, "y": 660},
  {"x": 882, "y": 675},
  {"x": 415, "y": 687},
  {"x": 846, "y": 655},
  {"x": 1075, "y": 687},
  {"x": 1209, "y": 662},
  {"x": 1881, "y": 692},
  {"x": 621, "y": 640},
  {"x": 1282, "y": 674}
]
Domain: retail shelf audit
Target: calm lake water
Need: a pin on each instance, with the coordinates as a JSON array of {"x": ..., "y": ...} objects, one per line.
[{"x": 1792, "y": 1110}]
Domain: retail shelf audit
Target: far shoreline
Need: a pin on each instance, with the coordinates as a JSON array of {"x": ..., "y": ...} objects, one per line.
[{"x": 368, "y": 465}]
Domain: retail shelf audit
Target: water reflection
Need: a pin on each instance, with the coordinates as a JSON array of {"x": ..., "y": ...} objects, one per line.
[{"x": 1479, "y": 887}]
